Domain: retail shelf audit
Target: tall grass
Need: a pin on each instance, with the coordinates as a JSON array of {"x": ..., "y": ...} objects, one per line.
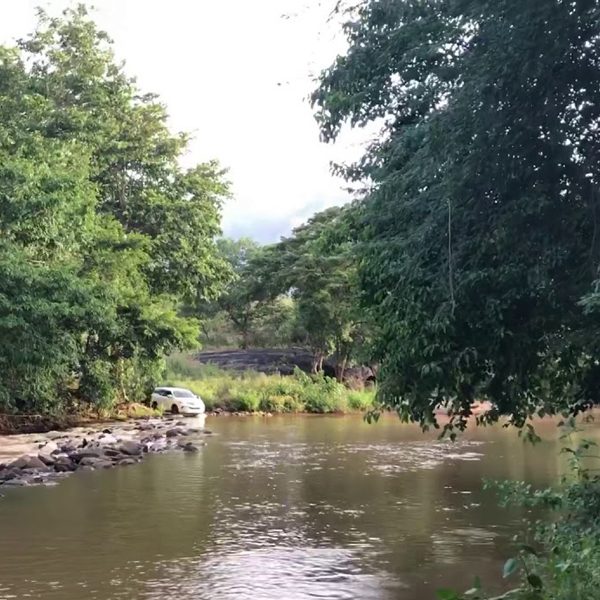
[{"x": 250, "y": 391}]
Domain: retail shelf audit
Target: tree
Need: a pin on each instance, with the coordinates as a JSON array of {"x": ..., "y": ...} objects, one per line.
[
  {"x": 103, "y": 233},
  {"x": 242, "y": 300},
  {"x": 317, "y": 266},
  {"x": 480, "y": 225}
]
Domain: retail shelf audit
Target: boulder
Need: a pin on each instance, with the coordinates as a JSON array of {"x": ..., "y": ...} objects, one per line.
[
  {"x": 175, "y": 431},
  {"x": 64, "y": 467},
  {"x": 28, "y": 462},
  {"x": 82, "y": 453},
  {"x": 131, "y": 448},
  {"x": 108, "y": 438},
  {"x": 112, "y": 452},
  {"x": 8, "y": 474},
  {"x": 48, "y": 447},
  {"x": 127, "y": 461},
  {"x": 47, "y": 459},
  {"x": 96, "y": 463},
  {"x": 16, "y": 482},
  {"x": 189, "y": 447},
  {"x": 145, "y": 426}
]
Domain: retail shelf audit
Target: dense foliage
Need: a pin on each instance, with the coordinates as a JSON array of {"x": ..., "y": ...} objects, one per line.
[
  {"x": 481, "y": 244},
  {"x": 317, "y": 266},
  {"x": 246, "y": 313},
  {"x": 303, "y": 290},
  {"x": 103, "y": 233}
]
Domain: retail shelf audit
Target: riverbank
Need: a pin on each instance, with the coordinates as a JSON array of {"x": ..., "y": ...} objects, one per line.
[
  {"x": 43, "y": 459},
  {"x": 253, "y": 392}
]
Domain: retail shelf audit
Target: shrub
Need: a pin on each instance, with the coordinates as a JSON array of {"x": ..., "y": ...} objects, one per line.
[
  {"x": 361, "y": 400},
  {"x": 241, "y": 399}
]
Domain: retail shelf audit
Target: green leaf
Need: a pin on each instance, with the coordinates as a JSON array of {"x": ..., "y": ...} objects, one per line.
[{"x": 510, "y": 567}]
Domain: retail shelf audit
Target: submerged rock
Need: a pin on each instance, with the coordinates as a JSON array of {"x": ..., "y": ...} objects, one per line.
[
  {"x": 175, "y": 431},
  {"x": 189, "y": 447}
]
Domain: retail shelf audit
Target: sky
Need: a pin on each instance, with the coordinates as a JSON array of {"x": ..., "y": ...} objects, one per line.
[{"x": 237, "y": 75}]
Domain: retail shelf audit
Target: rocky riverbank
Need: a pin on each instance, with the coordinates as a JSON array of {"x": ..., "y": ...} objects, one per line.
[{"x": 43, "y": 459}]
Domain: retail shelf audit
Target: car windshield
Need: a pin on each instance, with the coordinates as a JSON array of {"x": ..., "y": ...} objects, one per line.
[{"x": 183, "y": 394}]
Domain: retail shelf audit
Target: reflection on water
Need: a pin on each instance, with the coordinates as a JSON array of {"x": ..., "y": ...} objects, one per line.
[
  {"x": 273, "y": 573},
  {"x": 289, "y": 508}
]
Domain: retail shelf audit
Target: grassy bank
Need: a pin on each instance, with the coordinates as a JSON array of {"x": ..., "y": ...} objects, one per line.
[{"x": 250, "y": 391}]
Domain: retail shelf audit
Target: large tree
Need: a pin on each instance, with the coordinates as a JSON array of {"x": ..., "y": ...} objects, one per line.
[
  {"x": 317, "y": 266},
  {"x": 103, "y": 233},
  {"x": 481, "y": 243}
]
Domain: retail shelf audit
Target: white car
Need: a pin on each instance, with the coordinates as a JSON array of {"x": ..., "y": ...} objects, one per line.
[{"x": 177, "y": 401}]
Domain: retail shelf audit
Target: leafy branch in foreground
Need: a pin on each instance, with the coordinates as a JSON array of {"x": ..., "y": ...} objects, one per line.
[{"x": 480, "y": 249}]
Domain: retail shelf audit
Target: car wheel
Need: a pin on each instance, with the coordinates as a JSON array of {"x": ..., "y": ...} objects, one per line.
[
  {"x": 154, "y": 405},
  {"x": 175, "y": 409}
]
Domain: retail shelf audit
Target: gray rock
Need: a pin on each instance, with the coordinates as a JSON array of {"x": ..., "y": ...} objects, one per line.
[
  {"x": 48, "y": 447},
  {"x": 8, "y": 474},
  {"x": 64, "y": 464},
  {"x": 127, "y": 461},
  {"x": 189, "y": 447},
  {"x": 28, "y": 462},
  {"x": 144, "y": 426},
  {"x": 96, "y": 463},
  {"x": 107, "y": 438},
  {"x": 16, "y": 482},
  {"x": 131, "y": 448},
  {"x": 82, "y": 453},
  {"x": 175, "y": 432},
  {"x": 47, "y": 459},
  {"x": 112, "y": 452}
]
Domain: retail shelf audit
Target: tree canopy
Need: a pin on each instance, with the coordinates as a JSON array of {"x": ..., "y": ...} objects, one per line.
[
  {"x": 103, "y": 233},
  {"x": 480, "y": 248}
]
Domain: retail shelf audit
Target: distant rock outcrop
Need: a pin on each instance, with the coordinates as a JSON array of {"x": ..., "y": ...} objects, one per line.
[{"x": 279, "y": 360}]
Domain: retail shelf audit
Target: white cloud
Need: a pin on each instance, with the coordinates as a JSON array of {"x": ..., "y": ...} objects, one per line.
[{"x": 237, "y": 75}]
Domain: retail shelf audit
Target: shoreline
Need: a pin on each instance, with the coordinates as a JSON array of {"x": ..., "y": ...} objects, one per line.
[{"x": 28, "y": 459}]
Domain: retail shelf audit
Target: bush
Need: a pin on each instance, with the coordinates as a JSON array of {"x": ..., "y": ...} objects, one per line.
[{"x": 361, "y": 400}]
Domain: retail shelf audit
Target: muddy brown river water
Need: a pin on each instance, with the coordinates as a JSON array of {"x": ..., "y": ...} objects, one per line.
[{"x": 286, "y": 508}]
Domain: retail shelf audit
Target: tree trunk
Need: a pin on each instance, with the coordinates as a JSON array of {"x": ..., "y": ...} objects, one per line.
[
  {"x": 317, "y": 363},
  {"x": 340, "y": 369},
  {"x": 121, "y": 380}
]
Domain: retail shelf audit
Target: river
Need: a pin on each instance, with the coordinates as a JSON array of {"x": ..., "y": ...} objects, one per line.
[{"x": 284, "y": 508}]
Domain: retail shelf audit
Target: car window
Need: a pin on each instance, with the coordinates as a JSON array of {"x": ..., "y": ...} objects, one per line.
[{"x": 183, "y": 394}]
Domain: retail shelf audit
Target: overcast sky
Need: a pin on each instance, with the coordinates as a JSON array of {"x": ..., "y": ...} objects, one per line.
[{"x": 235, "y": 73}]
